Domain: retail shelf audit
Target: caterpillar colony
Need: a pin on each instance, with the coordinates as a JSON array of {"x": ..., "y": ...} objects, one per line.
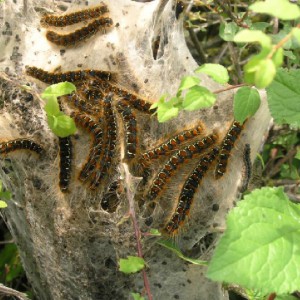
[{"x": 109, "y": 114}]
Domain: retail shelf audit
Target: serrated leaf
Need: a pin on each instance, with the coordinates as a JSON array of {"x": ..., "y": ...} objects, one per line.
[
  {"x": 169, "y": 245},
  {"x": 3, "y": 204},
  {"x": 131, "y": 264},
  {"x": 283, "y": 97},
  {"x": 188, "y": 82},
  {"x": 217, "y": 72},
  {"x": 59, "y": 89},
  {"x": 137, "y": 296},
  {"x": 227, "y": 31},
  {"x": 252, "y": 36},
  {"x": 245, "y": 104},
  {"x": 61, "y": 125},
  {"x": 281, "y": 9},
  {"x": 261, "y": 246},
  {"x": 198, "y": 97},
  {"x": 265, "y": 73},
  {"x": 289, "y": 54}
]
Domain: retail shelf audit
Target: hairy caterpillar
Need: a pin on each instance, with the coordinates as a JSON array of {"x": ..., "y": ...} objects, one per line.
[
  {"x": 130, "y": 125},
  {"x": 188, "y": 191},
  {"x": 226, "y": 147},
  {"x": 20, "y": 144},
  {"x": 71, "y": 76},
  {"x": 78, "y": 35},
  {"x": 65, "y": 153},
  {"x": 177, "y": 159},
  {"x": 247, "y": 167},
  {"x": 74, "y": 17},
  {"x": 104, "y": 164}
]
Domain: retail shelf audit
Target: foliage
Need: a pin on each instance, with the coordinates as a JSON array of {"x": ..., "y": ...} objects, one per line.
[
  {"x": 261, "y": 246},
  {"x": 131, "y": 264},
  {"x": 61, "y": 124}
]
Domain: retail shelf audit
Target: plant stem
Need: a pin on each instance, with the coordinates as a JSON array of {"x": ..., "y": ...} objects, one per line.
[
  {"x": 137, "y": 232},
  {"x": 231, "y": 87}
]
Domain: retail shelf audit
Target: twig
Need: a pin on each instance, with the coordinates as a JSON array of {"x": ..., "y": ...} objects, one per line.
[
  {"x": 197, "y": 45},
  {"x": 11, "y": 292},
  {"x": 235, "y": 61},
  {"x": 276, "y": 169},
  {"x": 137, "y": 232},
  {"x": 231, "y": 87},
  {"x": 7, "y": 242}
]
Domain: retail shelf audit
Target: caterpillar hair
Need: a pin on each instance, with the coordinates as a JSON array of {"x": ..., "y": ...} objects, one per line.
[{"x": 75, "y": 17}]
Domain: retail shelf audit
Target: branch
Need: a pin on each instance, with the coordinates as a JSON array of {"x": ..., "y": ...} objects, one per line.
[{"x": 11, "y": 292}]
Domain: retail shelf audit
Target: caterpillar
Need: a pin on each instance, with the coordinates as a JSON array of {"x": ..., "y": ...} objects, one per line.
[
  {"x": 226, "y": 147},
  {"x": 65, "y": 153},
  {"x": 103, "y": 166},
  {"x": 78, "y": 35},
  {"x": 132, "y": 100},
  {"x": 71, "y": 76},
  {"x": 130, "y": 126},
  {"x": 75, "y": 17},
  {"x": 20, "y": 144},
  {"x": 247, "y": 168},
  {"x": 171, "y": 144},
  {"x": 95, "y": 129},
  {"x": 177, "y": 159},
  {"x": 76, "y": 101},
  {"x": 188, "y": 191}
]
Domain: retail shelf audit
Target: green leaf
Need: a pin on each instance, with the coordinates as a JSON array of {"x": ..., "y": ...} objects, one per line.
[
  {"x": 252, "y": 36},
  {"x": 260, "y": 26},
  {"x": 245, "y": 104},
  {"x": 283, "y": 97},
  {"x": 132, "y": 264},
  {"x": 265, "y": 73},
  {"x": 5, "y": 195},
  {"x": 296, "y": 33},
  {"x": 289, "y": 54},
  {"x": 155, "y": 232},
  {"x": 52, "y": 107},
  {"x": 285, "y": 297},
  {"x": 137, "y": 296},
  {"x": 217, "y": 72},
  {"x": 169, "y": 245},
  {"x": 61, "y": 125},
  {"x": 277, "y": 58},
  {"x": 188, "y": 82},
  {"x": 289, "y": 172},
  {"x": 281, "y": 9},
  {"x": 3, "y": 204},
  {"x": 261, "y": 246},
  {"x": 57, "y": 90},
  {"x": 297, "y": 156},
  {"x": 198, "y": 97},
  {"x": 227, "y": 31},
  {"x": 165, "y": 114}
]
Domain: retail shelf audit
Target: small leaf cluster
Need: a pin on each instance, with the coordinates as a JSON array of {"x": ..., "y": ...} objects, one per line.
[
  {"x": 190, "y": 95},
  {"x": 61, "y": 124}
]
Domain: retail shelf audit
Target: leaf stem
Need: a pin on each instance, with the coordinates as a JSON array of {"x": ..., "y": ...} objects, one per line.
[{"x": 231, "y": 87}]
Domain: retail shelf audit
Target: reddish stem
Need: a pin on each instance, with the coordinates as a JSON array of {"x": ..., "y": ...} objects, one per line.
[
  {"x": 231, "y": 87},
  {"x": 272, "y": 296}
]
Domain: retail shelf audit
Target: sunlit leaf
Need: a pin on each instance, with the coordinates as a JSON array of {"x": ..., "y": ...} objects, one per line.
[
  {"x": 217, "y": 72},
  {"x": 132, "y": 264}
]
